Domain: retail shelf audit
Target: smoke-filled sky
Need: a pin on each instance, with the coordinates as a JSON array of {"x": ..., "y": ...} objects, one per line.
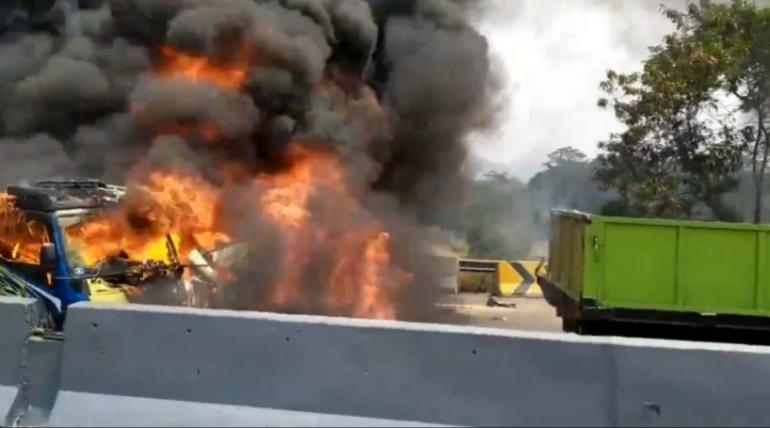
[{"x": 555, "y": 53}]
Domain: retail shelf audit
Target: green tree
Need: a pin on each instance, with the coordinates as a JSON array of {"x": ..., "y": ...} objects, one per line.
[
  {"x": 737, "y": 36},
  {"x": 678, "y": 153}
]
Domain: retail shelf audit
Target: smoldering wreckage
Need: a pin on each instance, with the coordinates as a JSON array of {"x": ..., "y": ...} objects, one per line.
[{"x": 273, "y": 155}]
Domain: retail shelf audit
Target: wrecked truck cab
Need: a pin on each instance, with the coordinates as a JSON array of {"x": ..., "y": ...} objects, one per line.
[{"x": 35, "y": 260}]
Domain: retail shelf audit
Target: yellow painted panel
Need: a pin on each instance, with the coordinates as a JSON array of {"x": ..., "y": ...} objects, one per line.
[{"x": 101, "y": 292}]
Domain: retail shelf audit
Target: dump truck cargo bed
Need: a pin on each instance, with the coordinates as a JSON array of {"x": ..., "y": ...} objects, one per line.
[{"x": 662, "y": 271}]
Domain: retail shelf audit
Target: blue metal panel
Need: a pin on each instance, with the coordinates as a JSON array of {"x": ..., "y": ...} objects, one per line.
[{"x": 62, "y": 284}]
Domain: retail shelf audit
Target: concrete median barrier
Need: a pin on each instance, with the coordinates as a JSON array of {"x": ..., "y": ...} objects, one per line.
[
  {"x": 691, "y": 385},
  {"x": 356, "y": 368},
  {"x": 17, "y": 320},
  {"x": 165, "y": 366}
]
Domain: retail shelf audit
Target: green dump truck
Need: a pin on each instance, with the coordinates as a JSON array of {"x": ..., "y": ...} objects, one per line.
[{"x": 607, "y": 270}]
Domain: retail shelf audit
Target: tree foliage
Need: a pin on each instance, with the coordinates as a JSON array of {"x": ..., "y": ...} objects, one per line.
[
  {"x": 739, "y": 35},
  {"x": 683, "y": 141}
]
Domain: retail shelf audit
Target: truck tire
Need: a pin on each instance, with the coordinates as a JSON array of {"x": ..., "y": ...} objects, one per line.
[{"x": 569, "y": 325}]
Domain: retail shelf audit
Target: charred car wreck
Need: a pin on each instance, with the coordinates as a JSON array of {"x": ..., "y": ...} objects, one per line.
[{"x": 37, "y": 258}]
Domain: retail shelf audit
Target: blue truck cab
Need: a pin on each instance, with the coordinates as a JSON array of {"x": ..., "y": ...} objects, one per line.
[{"x": 35, "y": 257}]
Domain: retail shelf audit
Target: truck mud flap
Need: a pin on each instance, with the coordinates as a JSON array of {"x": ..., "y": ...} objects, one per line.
[{"x": 552, "y": 294}]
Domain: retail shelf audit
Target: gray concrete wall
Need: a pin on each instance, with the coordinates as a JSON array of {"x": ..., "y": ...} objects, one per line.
[
  {"x": 17, "y": 319},
  {"x": 43, "y": 364},
  {"x": 245, "y": 368}
]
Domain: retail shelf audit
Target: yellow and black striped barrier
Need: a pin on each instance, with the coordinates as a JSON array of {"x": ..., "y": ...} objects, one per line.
[{"x": 499, "y": 277}]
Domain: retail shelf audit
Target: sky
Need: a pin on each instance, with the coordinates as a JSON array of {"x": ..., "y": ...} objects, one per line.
[{"x": 553, "y": 54}]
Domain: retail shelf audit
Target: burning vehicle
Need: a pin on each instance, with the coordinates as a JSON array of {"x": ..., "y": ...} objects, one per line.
[
  {"x": 70, "y": 241},
  {"x": 37, "y": 256},
  {"x": 42, "y": 256}
]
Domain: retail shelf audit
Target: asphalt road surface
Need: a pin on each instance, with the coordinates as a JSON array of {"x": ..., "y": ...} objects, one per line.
[{"x": 533, "y": 314}]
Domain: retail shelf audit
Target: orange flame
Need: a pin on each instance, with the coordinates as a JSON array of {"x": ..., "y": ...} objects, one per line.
[
  {"x": 310, "y": 204},
  {"x": 362, "y": 283},
  {"x": 165, "y": 205},
  {"x": 360, "y": 280},
  {"x": 201, "y": 69},
  {"x": 21, "y": 238}
]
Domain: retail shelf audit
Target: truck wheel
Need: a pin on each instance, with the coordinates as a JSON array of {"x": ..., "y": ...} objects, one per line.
[{"x": 569, "y": 325}]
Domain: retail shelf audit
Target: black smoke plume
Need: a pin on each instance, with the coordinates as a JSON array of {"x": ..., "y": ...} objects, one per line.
[{"x": 390, "y": 87}]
